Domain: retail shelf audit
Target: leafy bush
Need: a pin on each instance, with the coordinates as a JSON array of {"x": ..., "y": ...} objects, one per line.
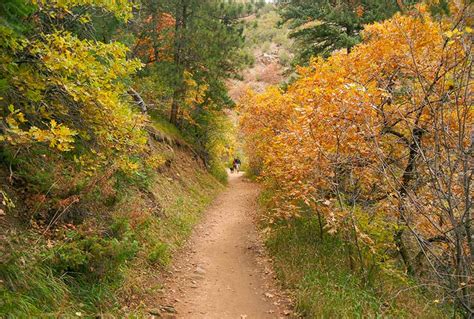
[
  {"x": 354, "y": 138},
  {"x": 219, "y": 171}
]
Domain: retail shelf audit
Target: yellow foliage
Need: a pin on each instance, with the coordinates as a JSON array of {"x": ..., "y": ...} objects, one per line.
[
  {"x": 345, "y": 130},
  {"x": 58, "y": 136},
  {"x": 155, "y": 161},
  {"x": 195, "y": 94},
  {"x": 72, "y": 90},
  {"x": 120, "y": 8}
]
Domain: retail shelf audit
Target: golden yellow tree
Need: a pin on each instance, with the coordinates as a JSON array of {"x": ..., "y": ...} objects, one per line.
[{"x": 380, "y": 140}]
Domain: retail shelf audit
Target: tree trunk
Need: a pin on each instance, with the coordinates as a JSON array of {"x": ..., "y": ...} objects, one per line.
[
  {"x": 180, "y": 27},
  {"x": 321, "y": 227},
  {"x": 138, "y": 100},
  {"x": 175, "y": 107},
  {"x": 407, "y": 177}
]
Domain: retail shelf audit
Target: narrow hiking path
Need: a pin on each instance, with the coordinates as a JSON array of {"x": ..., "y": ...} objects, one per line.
[{"x": 223, "y": 271}]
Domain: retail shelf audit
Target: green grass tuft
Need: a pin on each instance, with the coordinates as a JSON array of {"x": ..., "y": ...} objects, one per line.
[
  {"x": 160, "y": 253},
  {"x": 164, "y": 126}
]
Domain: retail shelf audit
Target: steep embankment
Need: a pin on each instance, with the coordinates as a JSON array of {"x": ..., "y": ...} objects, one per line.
[{"x": 106, "y": 249}]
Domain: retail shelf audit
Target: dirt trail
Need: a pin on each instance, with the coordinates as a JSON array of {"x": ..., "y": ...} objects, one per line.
[{"x": 223, "y": 271}]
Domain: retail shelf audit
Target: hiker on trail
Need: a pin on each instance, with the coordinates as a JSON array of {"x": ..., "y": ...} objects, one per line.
[{"x": 236, "y": 164}]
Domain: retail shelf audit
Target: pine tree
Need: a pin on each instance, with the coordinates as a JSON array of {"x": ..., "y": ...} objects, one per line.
[
  {"x": 322, "y": 26},
  {"x": 205, "y": 38}
]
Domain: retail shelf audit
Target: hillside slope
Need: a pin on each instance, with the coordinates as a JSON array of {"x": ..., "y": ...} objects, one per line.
[
  {"x": 271, "y": 49},
  {"x": 108, "y": 246}
]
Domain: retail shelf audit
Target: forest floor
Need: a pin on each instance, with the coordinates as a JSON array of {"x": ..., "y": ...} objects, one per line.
[{"x": 223, "y": 271}]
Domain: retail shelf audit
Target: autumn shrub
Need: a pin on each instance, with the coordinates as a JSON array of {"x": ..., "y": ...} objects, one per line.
[
  {"x": 71, "y": 96},
  {"x": 85, "y": 267},
  {"x": 83, "y": 161},
  {"x": 67, "y": 122},
  {"x": 377, "y": 142}
]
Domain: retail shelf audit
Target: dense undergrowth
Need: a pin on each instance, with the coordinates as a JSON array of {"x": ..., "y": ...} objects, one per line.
[
  {"x": 314, "y": 266},
  {"x": 324, "y": 286},
  {"x": 113, "y": 139},
  {"x": 98, "y": 257}
]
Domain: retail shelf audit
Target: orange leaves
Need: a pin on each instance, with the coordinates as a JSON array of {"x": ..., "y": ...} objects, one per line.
[
  {"x": 155, "y": 44},
  {"x": 378, "y": 142},
  {"x": 340, "y": 135}
]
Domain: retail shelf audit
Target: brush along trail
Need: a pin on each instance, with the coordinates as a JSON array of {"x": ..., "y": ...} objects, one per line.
[{"x": 223, "y": 271}]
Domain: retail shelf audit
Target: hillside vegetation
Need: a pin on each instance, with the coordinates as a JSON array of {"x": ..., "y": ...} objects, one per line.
[
  {"x": 119, "y": 119},
  {"x": 101, "y": 254},
  {"x": 113, "y": 139},
  {"x": 367, "y": 162},
  {"x": 269, "y": 50}
]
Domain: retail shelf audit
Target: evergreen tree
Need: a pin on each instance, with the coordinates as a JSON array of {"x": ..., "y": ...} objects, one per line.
[
  {"x": 322, "y": 26},
  {"x": 202, "y": 41}
]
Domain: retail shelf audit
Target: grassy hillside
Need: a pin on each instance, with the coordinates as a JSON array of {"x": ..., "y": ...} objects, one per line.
[
  {"x": 270, "y": 51},
  {"x": 103, "y": 254}
]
